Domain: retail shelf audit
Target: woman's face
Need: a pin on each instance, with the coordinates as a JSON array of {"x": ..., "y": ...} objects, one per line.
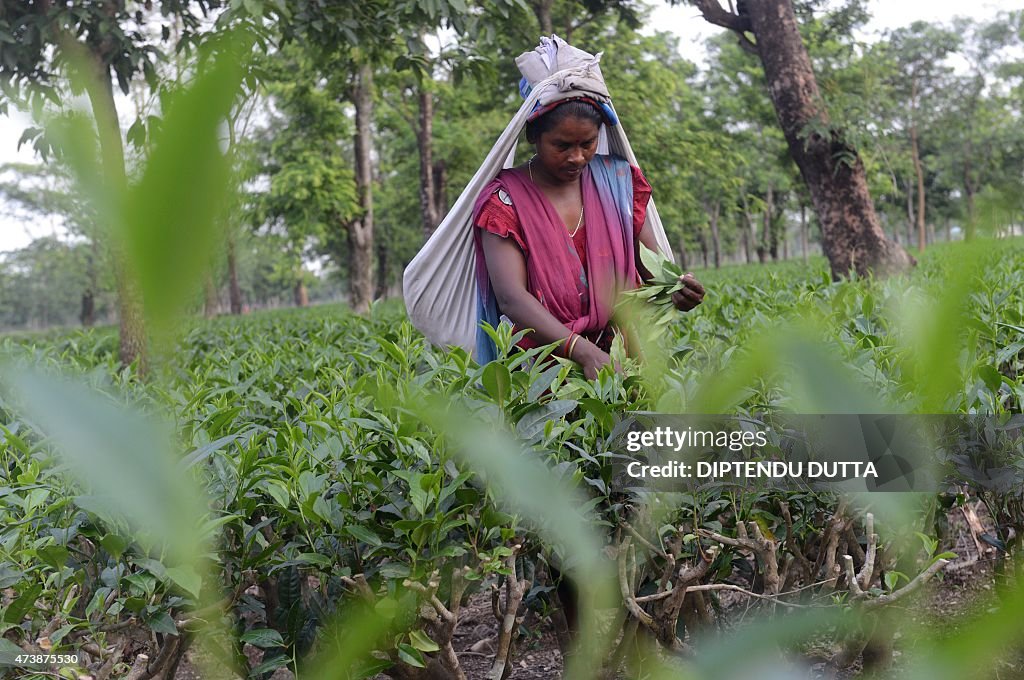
[{"x": 564, "y": 150}]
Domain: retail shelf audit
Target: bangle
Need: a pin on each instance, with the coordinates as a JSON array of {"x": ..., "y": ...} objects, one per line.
[
  {"x": 569, "y": 355},
  {"x": 565, "y": 346}
]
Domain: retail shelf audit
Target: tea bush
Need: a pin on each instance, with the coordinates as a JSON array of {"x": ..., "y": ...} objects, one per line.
[{"x": 333, "y": 480}]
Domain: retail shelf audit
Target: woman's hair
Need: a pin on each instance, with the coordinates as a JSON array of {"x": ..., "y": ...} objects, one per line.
[{"x": 572, "y": 108}]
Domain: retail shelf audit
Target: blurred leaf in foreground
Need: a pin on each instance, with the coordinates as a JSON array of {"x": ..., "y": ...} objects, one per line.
[
  {"x": 167, "y": 222},
  {"x": 526, "y": 486},
  {"x": 174, "y": 214},
  {"x": 975, "y": 650},
  {"x": 122, "y": 458},
  {"x": 349, "y": 640},
  {"x": 935, "y": 323}
]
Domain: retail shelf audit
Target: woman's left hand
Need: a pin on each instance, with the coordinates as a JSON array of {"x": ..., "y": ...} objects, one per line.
[{"x": 690, "y": 296}]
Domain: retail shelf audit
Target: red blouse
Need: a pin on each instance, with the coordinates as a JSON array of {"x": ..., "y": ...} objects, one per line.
[{"x": 499, "y": 217}]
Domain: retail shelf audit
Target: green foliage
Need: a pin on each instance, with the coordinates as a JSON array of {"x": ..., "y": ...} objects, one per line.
[
  {"x": 348, "y": 447},
  {"x": 302, "y": 156},
  {"x": 43, "y": 284},
  {"x": 309, "y": 483},
  {"x": 169, "y": 219},
  {"x": 36, "y": 42}
]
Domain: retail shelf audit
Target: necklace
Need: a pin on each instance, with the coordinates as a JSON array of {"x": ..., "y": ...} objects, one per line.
[{"x": 579, "y": 222}]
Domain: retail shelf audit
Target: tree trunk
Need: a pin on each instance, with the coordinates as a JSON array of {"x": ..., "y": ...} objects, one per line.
[
  {"x": 851, "y": 236},
  {"x": 715, "y": 240},
  {"x": 131, "y": 326},
  {"x": 969, "y": 191},
  {"x": 542, "y": 8},
  {"x": 88, "y": 312},
  {"x": 300, "y": 294},
  {"x": 703, "y": 240},
  {"x": 440, "y": 189},
  {"x": 911, "y": 217},
  {"x": 915, "y": 155},
  {"x": 211, "y": 303},
  {"x": 360, "y": 231},
  {"x": 684, "y": 256},
  {"x": 425, "y": 142},
  {"x": 747, "y": 229},
  {"x": 745, "y": 240},
  {"x": 803, "y": 230},
  {"x": 763, "y": 247},
  {"x": 100, "y": 91},
  {"x": 383, "y": 272},
  {"x": 234, "y": 292},
  {"x": 775, "y": 222}
]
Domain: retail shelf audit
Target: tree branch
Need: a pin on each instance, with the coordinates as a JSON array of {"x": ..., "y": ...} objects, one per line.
[
  {"x": 138, "y": 668},
  {"x": 738, "y": 589},
  {"x": 430, "y": 593},
  {"x": 747, "y": 45},
  {"x": 626, "y": 588},
  {"x": 883, "y": 600},
  {"x": 918, "y": 581},
  {"x": 647, "y": 544},
  {"x": 759, "y": 546},
  {"x": 715, "y": 14},
  {"x": 515, "y": 589},
  {"x": 867, "y": 569}
]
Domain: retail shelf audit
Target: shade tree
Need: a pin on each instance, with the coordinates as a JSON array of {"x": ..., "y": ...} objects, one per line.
[
  {"x": 829, "y": 163},
  {"x": 55, "y": 50}
]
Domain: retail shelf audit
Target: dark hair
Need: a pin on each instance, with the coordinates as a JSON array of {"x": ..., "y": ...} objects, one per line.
[{"x": 572, "y": 108}]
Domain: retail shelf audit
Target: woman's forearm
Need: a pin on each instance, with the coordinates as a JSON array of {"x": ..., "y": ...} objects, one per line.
[
  {"x": 526, "y": 311},
  {"x": 506, "y": 268}
]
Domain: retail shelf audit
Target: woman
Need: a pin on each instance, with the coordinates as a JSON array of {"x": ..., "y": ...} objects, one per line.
[{"x": 557, "y": 237}]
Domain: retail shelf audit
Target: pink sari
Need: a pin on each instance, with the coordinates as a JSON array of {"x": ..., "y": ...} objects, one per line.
[{"x": 555, "y": 274}]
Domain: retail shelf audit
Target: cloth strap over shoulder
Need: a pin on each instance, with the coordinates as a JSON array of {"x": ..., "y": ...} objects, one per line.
[{"x": 439, "y": 285}]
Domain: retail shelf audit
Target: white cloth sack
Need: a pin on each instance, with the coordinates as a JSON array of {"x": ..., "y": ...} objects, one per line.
[{"x": 439, "y": 284}]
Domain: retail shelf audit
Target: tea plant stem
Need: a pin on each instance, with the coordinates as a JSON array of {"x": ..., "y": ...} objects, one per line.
[
  {"x": 738, "y": 589},
  {"x": 883, "y": 600},
  {"x": 867, "y": 569},
  {"x": 443, "y": 631},
  {"x": 855, "y": 590},
  {"x": 92, "y": 649},
  {"x": 162, "y": 657},
  {"x": 827, "y": 560},
  {"x": 759, "y": 546},
  {"x": 660, "y": 552},
  {"x": 108, "y": 666},
  {"x": 138, "y": 669},
  {"x": 859, "y": 556},
  {"x": 431, "y": 594},
  {"x": 626, "y": 588},
  {"x": 515, "y": 589},
  {"x": 628, "y": 636},
  {"x": 358, "y": 584},
  {"x": 115, "y": 627},
  {"x": 654, "y": 597}
]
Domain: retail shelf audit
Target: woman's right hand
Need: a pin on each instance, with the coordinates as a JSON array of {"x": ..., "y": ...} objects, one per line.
[{"x": 590, "y": 357}]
